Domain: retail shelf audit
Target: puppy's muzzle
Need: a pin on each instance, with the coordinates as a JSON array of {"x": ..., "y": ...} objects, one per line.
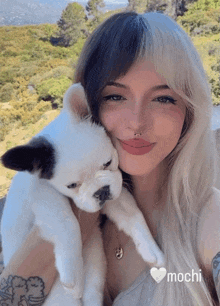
[{"x": 103, "y": 194}]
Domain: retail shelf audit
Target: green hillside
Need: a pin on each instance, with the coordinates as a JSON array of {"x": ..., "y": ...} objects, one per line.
[{"x": 34, "y": 73}]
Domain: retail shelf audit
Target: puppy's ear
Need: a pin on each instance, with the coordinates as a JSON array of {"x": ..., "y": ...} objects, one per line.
[
  {"x": 38, "y": 154},
  {"x": 75, "y": 101}
]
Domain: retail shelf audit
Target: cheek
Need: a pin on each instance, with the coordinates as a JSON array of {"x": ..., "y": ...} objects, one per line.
[
  {"x": 109, "y": 118},
  {"x": 169, "y": 123}
]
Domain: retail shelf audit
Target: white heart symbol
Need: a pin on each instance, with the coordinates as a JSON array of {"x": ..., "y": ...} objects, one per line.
[{"x": 158, "y": 274}]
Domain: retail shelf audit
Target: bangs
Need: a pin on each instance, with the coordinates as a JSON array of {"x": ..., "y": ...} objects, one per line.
[
  {"x": 120, "y": 41},
  {"x": 174, "y": 57},
  {"x": 169, "y": 53}
]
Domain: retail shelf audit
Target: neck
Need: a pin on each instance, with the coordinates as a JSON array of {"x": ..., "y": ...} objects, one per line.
[{"x": 147, "y": 195}]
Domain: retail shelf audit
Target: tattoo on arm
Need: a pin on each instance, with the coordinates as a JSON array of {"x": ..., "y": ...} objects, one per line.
[
  {"x": 17, "y": 291},
  {"x": 216, "y": 273}
]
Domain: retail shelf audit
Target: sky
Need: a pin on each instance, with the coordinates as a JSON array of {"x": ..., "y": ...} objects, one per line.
[{"x": 19, "y": 12}]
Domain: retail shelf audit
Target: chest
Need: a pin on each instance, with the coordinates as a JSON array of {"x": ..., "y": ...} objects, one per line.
[{"x": 121, "y": 273}]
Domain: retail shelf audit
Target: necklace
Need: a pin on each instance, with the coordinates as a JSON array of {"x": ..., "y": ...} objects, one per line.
[{"x": 119, "y": 252}]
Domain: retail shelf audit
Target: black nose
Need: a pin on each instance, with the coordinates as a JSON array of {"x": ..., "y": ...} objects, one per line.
[{"x": 103, "y": 194}]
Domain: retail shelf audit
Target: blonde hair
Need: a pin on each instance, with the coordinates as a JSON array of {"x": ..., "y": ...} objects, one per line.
[
  {"x": 109, "y": 53},
  {"x": 191, "y": 164}
]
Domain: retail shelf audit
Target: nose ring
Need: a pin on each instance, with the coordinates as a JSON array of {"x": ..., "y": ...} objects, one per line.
[{"x": 137, "y": 134}]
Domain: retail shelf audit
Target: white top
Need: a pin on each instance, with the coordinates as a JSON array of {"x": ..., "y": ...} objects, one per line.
[{"x": 140, "y": 293}]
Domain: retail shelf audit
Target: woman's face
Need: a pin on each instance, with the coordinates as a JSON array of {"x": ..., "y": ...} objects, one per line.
[{"x": 141, "y": 102}]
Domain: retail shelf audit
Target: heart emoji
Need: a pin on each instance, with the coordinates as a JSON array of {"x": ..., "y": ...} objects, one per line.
[{"x": 158, "y": 274}]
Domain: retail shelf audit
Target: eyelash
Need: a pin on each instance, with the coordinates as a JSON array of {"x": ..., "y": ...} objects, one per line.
[
  {"x": 167, "y": 98},
  {"x": 107, "y": 98},
  {"x": 170, "y": 99}
]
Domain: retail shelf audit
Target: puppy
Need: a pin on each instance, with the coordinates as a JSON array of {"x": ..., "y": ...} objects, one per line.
[{"x": 71, "y": 158}]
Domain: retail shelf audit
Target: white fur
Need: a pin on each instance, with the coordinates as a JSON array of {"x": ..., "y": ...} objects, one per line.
[{"x": 81, "y": 148}]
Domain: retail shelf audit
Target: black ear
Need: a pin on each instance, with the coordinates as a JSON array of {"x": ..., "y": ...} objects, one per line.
[{"x": 38, "y": 154}]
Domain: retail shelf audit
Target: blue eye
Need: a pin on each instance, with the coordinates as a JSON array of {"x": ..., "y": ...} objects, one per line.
[
  {"x": 165, "y": 100},
  {"x": 113, "y": 98}
]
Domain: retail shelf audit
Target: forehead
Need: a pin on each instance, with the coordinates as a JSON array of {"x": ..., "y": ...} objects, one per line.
[
  {"x": 141, "y": 79},
  {"x": 143, "y": 71}
]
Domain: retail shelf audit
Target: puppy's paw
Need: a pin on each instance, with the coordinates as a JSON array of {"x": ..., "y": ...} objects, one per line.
[
  {"x": 75, "y": 291},
  {"x": 72, "y": 278},
  {"x": 160, "y": 259},
  {"x": 151, "y": 254},
  {"x": 93, "y": 298}
]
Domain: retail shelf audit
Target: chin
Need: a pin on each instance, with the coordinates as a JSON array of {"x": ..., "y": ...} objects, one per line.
[{"x": 136, "y": 168}]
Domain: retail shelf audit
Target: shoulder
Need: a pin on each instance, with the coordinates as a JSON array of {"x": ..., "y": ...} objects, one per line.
[{"x": 209, "y": 230}]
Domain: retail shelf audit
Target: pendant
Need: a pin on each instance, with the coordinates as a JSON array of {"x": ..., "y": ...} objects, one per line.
[{"x": 119, "y": 253}]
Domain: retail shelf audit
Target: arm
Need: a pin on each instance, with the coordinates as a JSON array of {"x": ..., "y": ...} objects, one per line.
[
  {"x": 209, "y": 243},
  {"x": 30, "y": 274},
  {"x": 32, "y": 268},
  {"x": 216, "y": 273}
]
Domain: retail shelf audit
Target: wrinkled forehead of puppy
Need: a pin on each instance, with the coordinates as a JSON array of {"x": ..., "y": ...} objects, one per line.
[
  {"x": 86, "y": 143},
  {"x": 74, "y": 135}
]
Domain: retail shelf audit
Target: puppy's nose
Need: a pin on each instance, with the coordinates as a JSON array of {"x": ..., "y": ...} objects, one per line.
[{"x": 103, "y": 194}]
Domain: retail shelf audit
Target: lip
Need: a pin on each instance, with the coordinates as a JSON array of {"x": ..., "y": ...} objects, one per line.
[{"x": 136, "y": 146}]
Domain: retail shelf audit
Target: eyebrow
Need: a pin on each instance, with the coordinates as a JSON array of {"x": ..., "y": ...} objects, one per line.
[{"x": 154, "y": 88}]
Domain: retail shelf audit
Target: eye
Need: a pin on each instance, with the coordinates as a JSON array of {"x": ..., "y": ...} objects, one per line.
[
  {"x": 71, "y": 186},
  {"x": 107, "y": 164},
  {"x": 165, "y": 100},
  {"x": 113, "y": 98}
]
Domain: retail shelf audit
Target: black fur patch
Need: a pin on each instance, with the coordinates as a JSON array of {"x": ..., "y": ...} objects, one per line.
[{"x": 38, "y": 154}]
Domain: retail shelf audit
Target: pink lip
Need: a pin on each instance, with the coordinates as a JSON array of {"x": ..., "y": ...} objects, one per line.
[{"x": 136, "y": 146}]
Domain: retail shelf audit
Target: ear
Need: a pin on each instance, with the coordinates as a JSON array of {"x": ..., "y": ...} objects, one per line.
[
  {"x": 75, "y": 101},
  {"x": 38, "y": 154}
]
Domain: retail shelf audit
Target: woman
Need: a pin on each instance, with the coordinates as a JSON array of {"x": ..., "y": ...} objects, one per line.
[{"x": 145, "y": 84}]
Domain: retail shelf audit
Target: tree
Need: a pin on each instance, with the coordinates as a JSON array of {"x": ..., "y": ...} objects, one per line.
[
  {"x": 93, "y": 8},
  {"x": 138, "y": 6},
  {"x": 71, "y": 24}
]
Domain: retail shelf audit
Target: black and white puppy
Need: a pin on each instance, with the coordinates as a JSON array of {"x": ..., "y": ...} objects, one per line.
[{"x": 71, "y": 158}]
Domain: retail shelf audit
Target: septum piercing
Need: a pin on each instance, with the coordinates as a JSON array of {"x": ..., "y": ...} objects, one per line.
[{"x": 137, "y": 134}]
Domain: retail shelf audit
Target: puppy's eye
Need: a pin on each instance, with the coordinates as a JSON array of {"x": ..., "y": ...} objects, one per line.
[
  {"x": 71, "y": 186},
  {"x": 107, "y": 164}
]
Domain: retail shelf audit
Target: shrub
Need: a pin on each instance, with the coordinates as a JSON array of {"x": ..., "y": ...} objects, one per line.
[
  {"x": 9, "y": 53},
  {"x": 27, "y": 71},
  {"x": 6, "y": 92},
  {"x": 8, "y": 75},
  {"x": 36, "y": 113},
  {"x": 52, "y": 73},
  {"x": 206, "y": 29},
  {"x": 53, "y": 88},
  {"x": 27, "y": 105},
  {"x": 7, "y": 118}
]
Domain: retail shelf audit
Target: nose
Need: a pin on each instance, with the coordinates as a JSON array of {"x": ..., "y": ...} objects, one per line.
[
  {"x": 136, "y": 108},
  {"x": 103, "y": 194},
  {"x": 136, "y": 119}
]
